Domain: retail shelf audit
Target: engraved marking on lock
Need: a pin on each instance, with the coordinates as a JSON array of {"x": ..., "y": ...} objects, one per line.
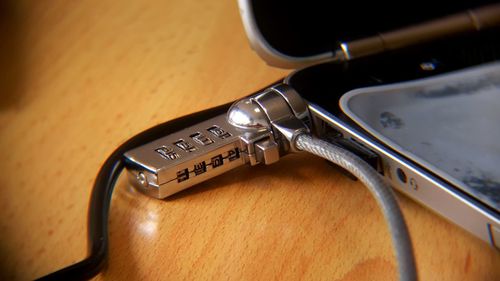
[
  {"x": 184, "y": 145},
  {"x": 182, "y": 175},
  {"x": 233, "y": 154},
  {"x": 201, "y": 138},
  {"x": 214, "y": 162},
  {"x": 217, "y": 161},
  {"x": 200, "y": 168},
  {"x": 167, "y": 153},
  {"x": 219, "y": 132}
]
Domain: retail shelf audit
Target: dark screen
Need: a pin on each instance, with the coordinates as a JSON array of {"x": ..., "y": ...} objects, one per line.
[{"x": 304, "y": 28}]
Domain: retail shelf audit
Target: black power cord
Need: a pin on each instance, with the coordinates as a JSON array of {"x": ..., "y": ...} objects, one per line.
[{"x": 103, "y": 189}]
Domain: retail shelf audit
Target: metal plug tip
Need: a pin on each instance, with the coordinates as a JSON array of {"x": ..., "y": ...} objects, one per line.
[{"x": 247, "y": 114}]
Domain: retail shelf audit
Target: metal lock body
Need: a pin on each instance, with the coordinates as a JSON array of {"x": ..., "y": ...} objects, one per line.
[{"x": 257, "y": 129}]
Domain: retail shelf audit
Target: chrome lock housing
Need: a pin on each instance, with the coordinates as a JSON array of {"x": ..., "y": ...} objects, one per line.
[{"x": 257, "y": 129}]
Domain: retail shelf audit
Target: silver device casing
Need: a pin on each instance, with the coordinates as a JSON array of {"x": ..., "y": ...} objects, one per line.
[
  {"x": 425, "y": 188},
  {"x": 267, "y": 52},
  {"x": 421, "y": 186}
]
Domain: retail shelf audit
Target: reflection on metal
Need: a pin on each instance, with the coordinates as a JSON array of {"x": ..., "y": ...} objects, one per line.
[
  {"x": 246, "y": 114},
  {"x": 471, "y": 21},
  {"x": 257, "y": 129}
]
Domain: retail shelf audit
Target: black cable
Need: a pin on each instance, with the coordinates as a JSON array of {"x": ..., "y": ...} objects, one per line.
[{"x": 103, "y": 189}]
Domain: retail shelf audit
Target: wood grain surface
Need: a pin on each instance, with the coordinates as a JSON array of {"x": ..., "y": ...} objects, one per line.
[{"x": 78, "y": 78}]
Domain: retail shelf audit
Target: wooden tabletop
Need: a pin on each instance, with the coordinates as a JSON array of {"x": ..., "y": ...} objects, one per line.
[{"x": 78, "y": 78}]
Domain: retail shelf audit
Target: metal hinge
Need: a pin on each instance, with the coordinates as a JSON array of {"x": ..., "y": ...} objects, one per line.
[{"x": 470, "y": 21}]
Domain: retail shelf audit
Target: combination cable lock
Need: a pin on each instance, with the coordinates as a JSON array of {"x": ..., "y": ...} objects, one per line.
[{"x": 258, "y": 129}]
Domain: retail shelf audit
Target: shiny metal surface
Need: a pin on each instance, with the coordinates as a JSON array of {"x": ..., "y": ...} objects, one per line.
[
  {"x": 247, "y": 114},
  {"x": 255, "y": 130},
  {"x": 294, "y": 100},
  {"x": 196, "y": 162},
  {"x": 290, "y": 128},
  {"x": 278, "y": 106},
  {"x": 273, "y": 105},
  {"x": 267, "y": 52},
  {"x": 267, "y": 152},
  {"x": 474, "y": 20}
]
